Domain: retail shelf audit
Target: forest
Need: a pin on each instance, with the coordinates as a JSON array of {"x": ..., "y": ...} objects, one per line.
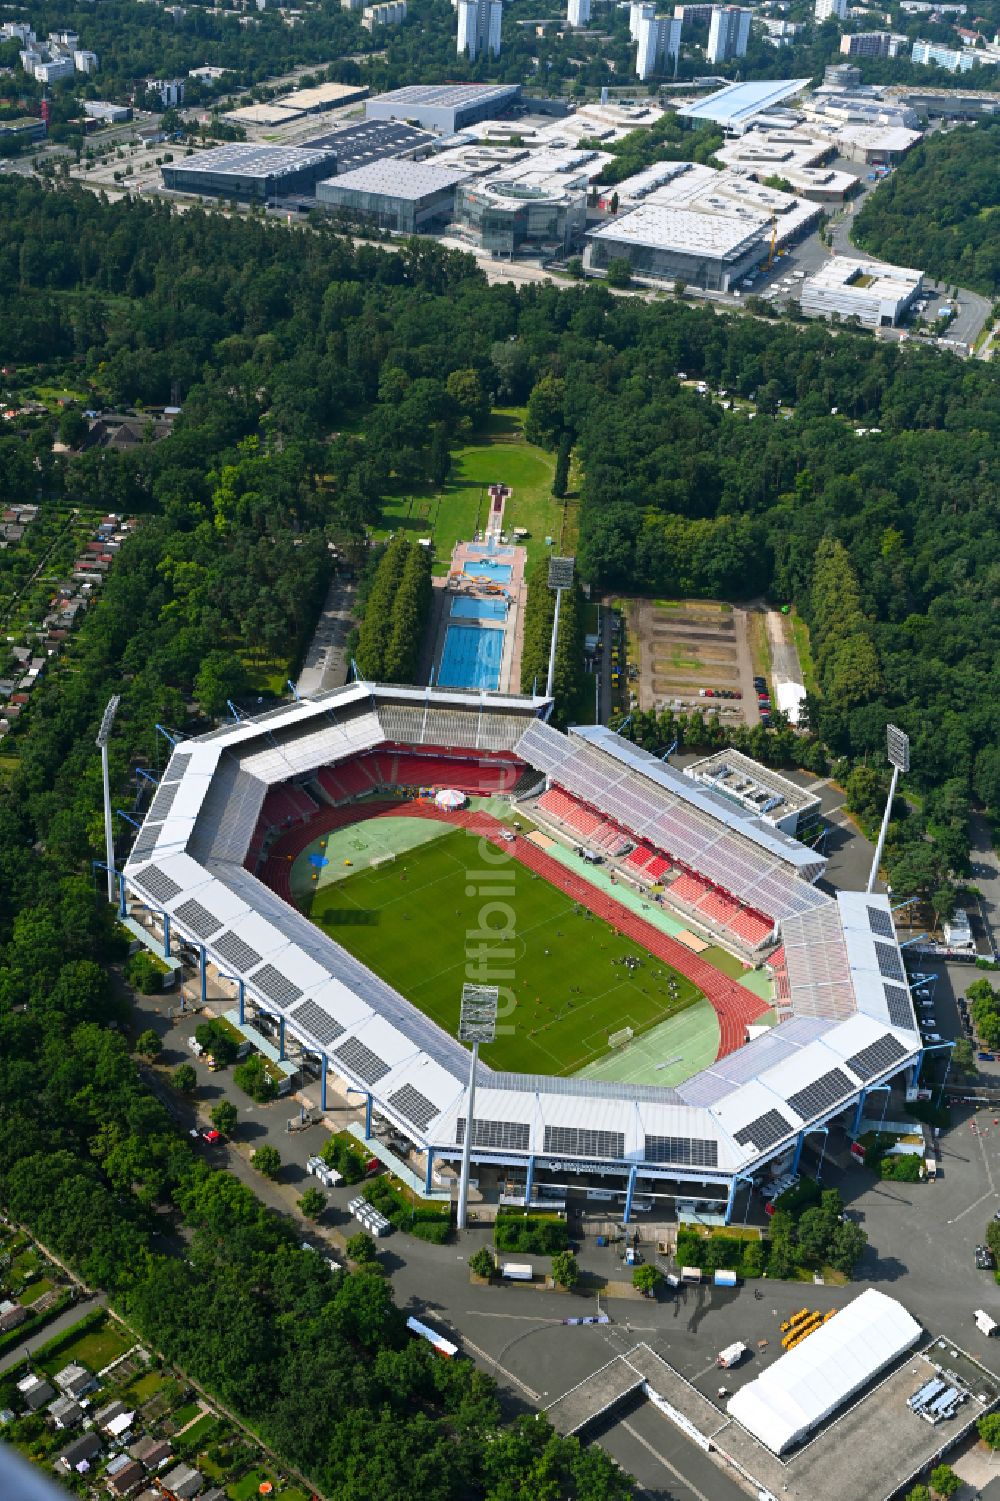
[{"x": 939, "y": 209}]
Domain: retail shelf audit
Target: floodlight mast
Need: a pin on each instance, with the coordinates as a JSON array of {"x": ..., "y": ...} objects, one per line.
[
  {"x": 560, "y": 578},
  {"x": 898, "y": 749},
  {"x": 103, "y": 736},
  {"x": 477, "y": 1023}
]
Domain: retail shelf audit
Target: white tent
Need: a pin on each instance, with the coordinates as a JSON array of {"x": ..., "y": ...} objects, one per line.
[
  {"x": 805, "y": 1386},
  {"x": 450, "y": 798}
]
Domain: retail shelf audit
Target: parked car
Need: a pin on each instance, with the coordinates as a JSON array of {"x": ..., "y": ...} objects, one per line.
[
  {"x": 984, "y": 1259},
  {"x": 760, "y": 683}
]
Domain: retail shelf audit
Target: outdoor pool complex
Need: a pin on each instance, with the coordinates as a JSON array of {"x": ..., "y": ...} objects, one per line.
[
  {"x": 471, "y": 658},
  {"x": 465, "y": 608},
  {"x": 496, "y": 573}
]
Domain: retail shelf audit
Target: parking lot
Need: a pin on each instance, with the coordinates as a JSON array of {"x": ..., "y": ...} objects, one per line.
[{"x": 692, "y": 653}]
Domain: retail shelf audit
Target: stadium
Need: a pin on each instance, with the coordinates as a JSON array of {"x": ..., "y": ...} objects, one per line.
[{"x": 318, "y": 858}]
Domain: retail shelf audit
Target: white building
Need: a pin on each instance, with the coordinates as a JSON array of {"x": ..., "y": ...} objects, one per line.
[
  {"x": 578, "y": 12},
  {"x": 658, "y": 45},
  {"x": 831, "y": 10},
  {"x": 728, "y": 33},
  {"x": 54, "y": 70},
  {"x": 954, "y": 59},
  {"x": 85, "y": 62},
  {"x": 17, "y": 31},
  {"x": 877, "y": 294},
  {"x": 873, "y": 44},
  {"x": 639, "y": 11},
  {"x": 111, "y": 114},
  {"x": 170, "y": 90},
  {"x": 479, "y": 27},
  {"x": 388, "y": 13}
]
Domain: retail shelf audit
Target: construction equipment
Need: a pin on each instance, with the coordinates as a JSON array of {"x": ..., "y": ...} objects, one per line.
[{"x": 774, "y": 240}]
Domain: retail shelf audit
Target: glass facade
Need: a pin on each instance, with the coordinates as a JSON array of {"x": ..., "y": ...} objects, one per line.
[{"x": 503, "y": 218}]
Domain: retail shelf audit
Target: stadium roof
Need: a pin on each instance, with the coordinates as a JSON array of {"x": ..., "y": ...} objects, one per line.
[
  {"x": 809, "y": 1383},
  {"x": 734, "y": 105},
  {"x": 187, "y": 862}
]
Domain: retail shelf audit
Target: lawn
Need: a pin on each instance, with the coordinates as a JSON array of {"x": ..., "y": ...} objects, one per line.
[
  {"x": 147, "y": 1386},
  {"x": 34, "y": 1291},
  {"x": 95, "y": 1349},
  {"x": 567, "y": 983},
  {"x": 247, "y": 1488},
  {"x": 499, "y": 455},
  {"x": 198, "y": 1430},
  {"x": 185, "y": 1414}
]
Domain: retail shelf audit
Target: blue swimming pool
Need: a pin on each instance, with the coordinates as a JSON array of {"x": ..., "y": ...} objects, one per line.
[
  {"x": 497, "y": 573},
  {"x": 465, "y": 608},
  {"x": 471, "y": 658}
]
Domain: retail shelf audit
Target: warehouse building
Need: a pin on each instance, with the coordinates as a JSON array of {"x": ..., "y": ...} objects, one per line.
[
  {"x": 249, "y": 172},
  {"x": 670, "y": 243},
  {"x": 325, "y": 96},
  {"x": 370, "y": 141},
  {"x": 794, "y": 153},
  {"x": 738, "y": 103},
  {"x": 877, "y": 294},
  {"x": 538, "y": 203},
  {"x": 404, "y": 197},
  {"x": 445, "y": 107}
]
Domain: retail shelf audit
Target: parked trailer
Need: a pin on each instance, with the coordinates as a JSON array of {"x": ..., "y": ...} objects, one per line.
[
  {"x": 691, "y": 1274},
  {"x": 436, "y": 1341},
  {"x": 984, "y": 1323},
  {"x": 517, "y": 1271},
  {"x": 731, "y": 1355},
  {"x": 725, "y": 1279}
]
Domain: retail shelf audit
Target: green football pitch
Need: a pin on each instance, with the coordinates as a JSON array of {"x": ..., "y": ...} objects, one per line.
[{"x": 568, "y": 980}]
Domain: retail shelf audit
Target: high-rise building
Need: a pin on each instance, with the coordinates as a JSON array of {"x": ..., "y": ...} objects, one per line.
[
  {"x": 728, "y": 33},
  {"x": 84, "y": 61},
  {"x": 578, "y": 12},
  {"x": 872, "y": 44},
  {"x": 956, "y": 60},
  {"x": 479, "y": 27},
  {"x": 639, "y": 10},
  {"x": 827, "y": 10},
  {"x": 658, "y": 45}
]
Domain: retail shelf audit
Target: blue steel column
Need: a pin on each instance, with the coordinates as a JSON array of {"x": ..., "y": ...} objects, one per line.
[
  {"x": 166, "y": 935},
  {"x": 203, "y": 967},
  {"x": 633, "y": 1173},
  {"x": 368, "y": 1117},
  {"x": 732, "y": 1196},
  {"x": 529, "y": 1182},
  {"x": 324, "y": 1065},
  {"x": 798, "y": 1151},
  {"x": 947, "y": 1071},
  {"x": 428, "y": 1185},
  {"x": 241, "y": 992},
  {"x": 281, "y": 1038},
  {"x": 862, "y": 1097},
  {"x": 122, "y": 910}
]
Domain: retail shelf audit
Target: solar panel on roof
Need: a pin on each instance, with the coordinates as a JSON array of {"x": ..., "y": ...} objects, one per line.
[
  {"x": 319, "y": 1023},
  {"x": 145, "y": 842},
  {"x": 764, "y": 1131},
  {"x": 275, "y": 985},
  {"x": 235, "y": 952},
  {"x": 178, "y": 766},
  {"x": 161, "y": 887},
  {"x": 900, "y": 1006},
  {"x": 164, "y": 800},
  {"x": 890, "y": 965},
  {"x": 877, "y": 1057},
  {"x": 821, "y": 1093},
  {"x": 416, "y": 1107},
  {"x": 361, "y": 1060},
  {"x": 578, "y": 1142},
  {"x": 683, "y": 1151},
  {"x": 500, "y": 1136},
  {"x": 881, "y": 922},
  {"x": 198, "y": 918}
]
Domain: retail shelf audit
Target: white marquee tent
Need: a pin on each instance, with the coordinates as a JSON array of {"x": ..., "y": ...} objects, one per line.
[{"x": 805, "y": 1386}]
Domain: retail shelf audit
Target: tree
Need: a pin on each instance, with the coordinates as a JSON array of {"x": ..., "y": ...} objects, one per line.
[
  {"x": 945, "y": 1481},
  {"x": 919, "y": 1493},
  {"x": 560, "y": 477},
  {"x": 267, "y": 1160},
  {"x": 847, "y": 1247},
  {"x": 144, "y": 974},
  {"x": 565, "y": 1269},
  {"x": 963, "y": 1056},
  {"x": 313, "y": 1203},
  {"x": 575, "y": 267},
  {"x": 73, "y": 427},
  {"x": 224, "y": 1117},
  {"x": 680, "y": 287},
  {"x": 361, "y": 1248},
  {"x": 185, "y": 1078},
  {"x": 253, "y": 1078},
  {"x": 543, "y": 419},
  {"x": 647, "y": 1279},
  {"x": 148, "y": 1044},
  {"x": 989, "y": 1429},
  {"x": 481, "y": 1263},
  {"x": 619, "y": 272}
]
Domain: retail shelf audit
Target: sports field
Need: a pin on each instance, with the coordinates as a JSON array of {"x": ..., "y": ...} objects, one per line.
[{"x": 436, "y": 916}]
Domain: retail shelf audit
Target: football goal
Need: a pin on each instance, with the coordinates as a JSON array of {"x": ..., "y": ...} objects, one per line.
[
  {"x": 620, "y": 1038},
  {"x": 377, "y": 860}
]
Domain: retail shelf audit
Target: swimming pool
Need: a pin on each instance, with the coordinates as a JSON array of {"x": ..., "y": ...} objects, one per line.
[
  {"x": 465, "y": 608},
  {"x": 471, "y": 658},
  {"x": 497, "y": 573}
]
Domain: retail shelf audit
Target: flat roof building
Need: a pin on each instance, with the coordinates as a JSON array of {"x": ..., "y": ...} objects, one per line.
[
  {"x": 877, "y": 294},
  {"x": 728, "y": 33},
  {"x": 534, "y": 204},
  {"x": 953, "y": 59},
  {"x": 736, "y": 105},
  {"x": 370, "y": 141},
  {"x": 873, "y": 44},
  {"x": 756, "y": 789},
  {"x": 404, "y": 197},
  {"x": 249, "y": 172},
  {"x": 446, "y": 107},
  {"x": 324, "y": 96}
]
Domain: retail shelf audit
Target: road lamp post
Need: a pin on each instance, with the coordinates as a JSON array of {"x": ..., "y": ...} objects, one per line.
[
  {"x": 560, "y": 578},
  {"x": 103, "y": 736},
  {"x": 898, "y": 747},
  {"x": 477, "y": 1023}
]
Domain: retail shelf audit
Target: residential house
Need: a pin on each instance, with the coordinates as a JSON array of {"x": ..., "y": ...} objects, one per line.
[
  {"x": 150, "y": 1452},
  {"x": 65, "y": 1412},
  {"x": 11, "y": 1314},
  {"x": 75, "y": 1380},
  {"x": 35, "y": 1391},
  {"x": 124, "y": 1475},
  {"x": 82, "y": 1451},
  {"x": 104, "y": 1415},
  {"x": 182, "y": 1483}
]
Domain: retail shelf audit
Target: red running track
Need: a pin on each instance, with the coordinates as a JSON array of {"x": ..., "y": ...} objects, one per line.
[{"x": 734, "y": 1005}]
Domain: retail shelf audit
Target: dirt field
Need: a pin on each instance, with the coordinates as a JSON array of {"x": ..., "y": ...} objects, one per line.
[{"x": 692, "y": 653}]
